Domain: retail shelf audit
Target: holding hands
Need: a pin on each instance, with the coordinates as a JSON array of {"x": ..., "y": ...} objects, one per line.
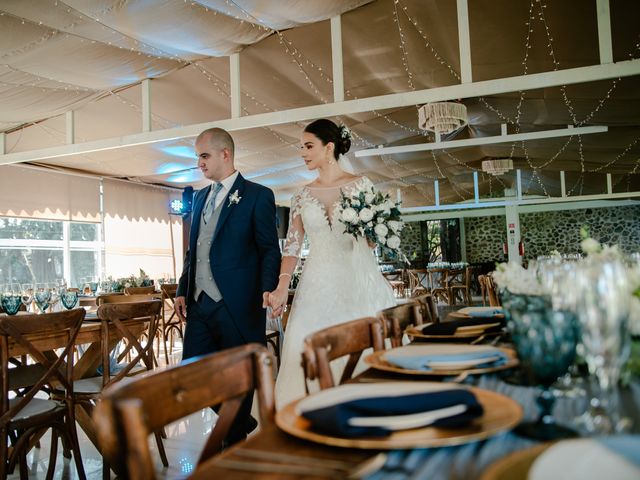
[{"x": 277, "y": 299}]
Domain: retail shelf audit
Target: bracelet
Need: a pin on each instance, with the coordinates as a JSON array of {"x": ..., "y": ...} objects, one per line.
[{"x": 283, "y": 274}]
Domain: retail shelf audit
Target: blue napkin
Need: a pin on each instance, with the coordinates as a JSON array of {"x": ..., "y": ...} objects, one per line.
[
  {"x": 334, "y": 419},
  {"x": 627, "y": 446},
  {"x": 483, "y": 313},
  {"x": 421, "y": 362}
]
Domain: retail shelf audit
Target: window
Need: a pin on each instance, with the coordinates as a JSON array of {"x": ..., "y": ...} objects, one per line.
[{"x": 43, "y": 251}]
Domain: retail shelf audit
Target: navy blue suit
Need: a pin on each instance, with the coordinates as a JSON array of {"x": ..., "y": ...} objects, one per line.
[{"x": 245, "y": 262}]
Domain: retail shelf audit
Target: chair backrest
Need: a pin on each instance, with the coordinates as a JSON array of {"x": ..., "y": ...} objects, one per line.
[
  {"x": 492, "y": 291},
  {"x": 428, "y": 312},
  {"x": 350, "y": 338},
  {"x": 396, "y": 319},
  {"x": 169, "y": 291},
  {"x": 131, "y": 321},
  {"x": 414, "y": 280},
  {"x": 139, "y": 290},
  {"x": 119, "y": 298},
  {"x": 34, "y": 335},
  {"x": 130, "y": 411}
]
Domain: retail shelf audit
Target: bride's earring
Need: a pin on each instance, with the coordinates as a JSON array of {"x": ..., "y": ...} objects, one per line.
[{"x": 330, "y": 159}]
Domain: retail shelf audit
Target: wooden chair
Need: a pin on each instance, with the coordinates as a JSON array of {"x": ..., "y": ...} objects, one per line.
[
  {"x": 414, "y": 281},
  {"x": 119, "y": 298},
  {"x": 129, "y": 412},
  {"x": 139, "y": 290},
  {"x": 396, "y": 319},
  {"x": 170, "y": 322},
  {"x": 350, "y": 338},
  {"x": 429, "y": 311},
  {"x": 438, "y": 282},
  {"x": 464, "y": 286},
  {"x": 492, "y": 291},
  {"x": 24, "y": 416},
  {"x": 137, "y": 324}
]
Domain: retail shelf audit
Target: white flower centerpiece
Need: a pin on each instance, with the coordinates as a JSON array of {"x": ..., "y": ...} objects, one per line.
[{"x": 369, "y": 213}]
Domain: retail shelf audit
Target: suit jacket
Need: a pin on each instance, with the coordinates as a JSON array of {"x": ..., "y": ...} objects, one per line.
[{"x": 244, "y": 254}]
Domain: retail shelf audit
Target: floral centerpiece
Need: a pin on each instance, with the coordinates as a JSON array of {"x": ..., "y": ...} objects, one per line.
[
  {"x": 369, "y": 213},
  {"x": 142, "y": 280}
]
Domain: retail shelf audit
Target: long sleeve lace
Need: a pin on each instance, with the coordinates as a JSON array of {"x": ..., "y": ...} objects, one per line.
[{"x": 295, "y": 233}]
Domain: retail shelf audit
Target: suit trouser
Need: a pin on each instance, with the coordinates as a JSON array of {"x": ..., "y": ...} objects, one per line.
[{"x": 210, "y": 328}]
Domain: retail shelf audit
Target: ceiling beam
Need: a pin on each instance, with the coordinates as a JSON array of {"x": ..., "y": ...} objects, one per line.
[
  {"x": 470, "y": 142},
  {"x": 468, "y": 90}
]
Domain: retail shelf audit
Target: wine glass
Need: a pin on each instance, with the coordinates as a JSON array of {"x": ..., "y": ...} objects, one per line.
[
  {"x": 27, "y": 295},
  {"x": 10, "y": 298},
  {"x": 42, "y": 296},
  {"x": 545, "y": 340},
  {"x": 68, "y": 298},
  {"x": 604, "y": 299}
]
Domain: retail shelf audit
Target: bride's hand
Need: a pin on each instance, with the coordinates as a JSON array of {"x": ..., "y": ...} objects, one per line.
[
  {"x": 277, "y": 301},
  {"x": 371, "y": 244}
]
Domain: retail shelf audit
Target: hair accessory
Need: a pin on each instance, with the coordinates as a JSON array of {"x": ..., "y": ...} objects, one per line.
[{"x": 345, "y": 133}]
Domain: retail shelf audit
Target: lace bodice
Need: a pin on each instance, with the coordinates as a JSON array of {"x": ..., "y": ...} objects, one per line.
[{"x": 314, "y": 211}]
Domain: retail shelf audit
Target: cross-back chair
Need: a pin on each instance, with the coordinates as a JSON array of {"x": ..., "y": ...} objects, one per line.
[
  {"x": 415, "y": 278},
  {"x": 460, "y": 285},
  {"x": 170, "y": 323},
  {"x": 438, "y": 281},
  {"x": 136, "y": 323},
  {"x": 130, "y": 411},
  {"x": 346, "y": 339},
  {"x": 396, "y": 319},
  {"x": 140, "y": 290},
  {"x": 23, "y": 416}
]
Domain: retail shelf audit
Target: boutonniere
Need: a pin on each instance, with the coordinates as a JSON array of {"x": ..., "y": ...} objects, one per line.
[{"x": 234, "y": 198}]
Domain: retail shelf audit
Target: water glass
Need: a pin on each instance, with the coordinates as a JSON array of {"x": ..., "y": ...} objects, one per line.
[
  {"x": 545, "y": 340},
  {"x": 69, "y": 299},
  {"x": 10, "y": 302},
  {"x": 603, "y": 306}
]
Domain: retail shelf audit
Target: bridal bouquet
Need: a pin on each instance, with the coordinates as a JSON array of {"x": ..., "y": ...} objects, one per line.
[{"x": 369, "y": 213}]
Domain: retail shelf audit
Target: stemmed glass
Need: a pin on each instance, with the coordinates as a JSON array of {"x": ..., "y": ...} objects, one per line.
[
  {"x": 42, "y": 296},
  {"x": 27, "y": 295},
  {"x": 10, "y": 298},
  {"x": 68, "y": 298},
  {"x": 545, "y": 340},
  {"x": 604, "y": 298},
  {"x": 55, "y": 295}
]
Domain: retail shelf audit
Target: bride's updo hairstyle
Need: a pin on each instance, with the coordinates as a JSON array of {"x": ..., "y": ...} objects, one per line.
[{"x": 327, "y": 131}]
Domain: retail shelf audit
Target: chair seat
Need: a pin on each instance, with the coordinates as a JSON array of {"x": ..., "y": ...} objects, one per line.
[
  {"x": 93, "y": 385},
  {"x": 35, "y": 408}
]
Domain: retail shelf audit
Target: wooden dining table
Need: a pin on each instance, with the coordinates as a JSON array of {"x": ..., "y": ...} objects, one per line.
[{"x": 273, "y": 454}]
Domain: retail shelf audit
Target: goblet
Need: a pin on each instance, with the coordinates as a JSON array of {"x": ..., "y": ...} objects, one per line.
[
  {"x": 69, "y": 299},
  {"x": 545, "y": 340},
  {"x": 11, "y": 302},
  {"x": 27, "y": 295},
  {"x": 603, "y": 305},
  {"x": 42, "y": 296}
]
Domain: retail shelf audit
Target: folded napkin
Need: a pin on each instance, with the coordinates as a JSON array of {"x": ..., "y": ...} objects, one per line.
[
  {"x": 627, "y": 446},
  {"x": 481, "y": 311},
  {"x": 426, "y": 357},
  {"x": 375, "y": 413},
  {"x": 450, "y": 327}
]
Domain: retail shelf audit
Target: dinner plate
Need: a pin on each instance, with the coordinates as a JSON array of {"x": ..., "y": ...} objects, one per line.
[
  {"x": 376, "y": 360},
  {"x": 501, "y": 413},
  {"x": 459, "y": 336}
]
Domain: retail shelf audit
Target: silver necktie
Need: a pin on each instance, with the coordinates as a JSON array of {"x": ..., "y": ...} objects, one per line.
[{"x": 211, "y": 204}]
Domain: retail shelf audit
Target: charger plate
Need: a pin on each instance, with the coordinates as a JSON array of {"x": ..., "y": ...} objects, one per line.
[
  {"x": 376, "y": 360},
  {"x": 463, "y": 334},
  {"x": 501, "y": 413},
  {"x": 515, "y": 466}
]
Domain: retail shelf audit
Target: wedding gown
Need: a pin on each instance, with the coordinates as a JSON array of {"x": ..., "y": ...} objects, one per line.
[{"x": 340, "y": 280}]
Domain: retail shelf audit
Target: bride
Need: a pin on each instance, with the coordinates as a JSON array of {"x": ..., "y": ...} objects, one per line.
[{"x": 340, "y": 280}]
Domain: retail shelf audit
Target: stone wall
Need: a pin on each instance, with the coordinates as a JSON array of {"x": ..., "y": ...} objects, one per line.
[
  {"x": 484, "y": 238},
  {"x": 410, "y": 240},
  {"x": 543, "y": 232}
]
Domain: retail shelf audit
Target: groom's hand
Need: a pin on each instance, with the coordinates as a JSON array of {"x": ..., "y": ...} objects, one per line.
[
  {"x": 265, "y": 300},
  {"x": 180, "y": 306}
]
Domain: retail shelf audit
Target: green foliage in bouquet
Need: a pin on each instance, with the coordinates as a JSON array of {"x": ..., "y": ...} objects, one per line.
[{"x": 142, "y": 280}]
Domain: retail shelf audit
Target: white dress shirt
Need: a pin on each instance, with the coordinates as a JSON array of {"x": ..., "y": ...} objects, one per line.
[{"x": 227, "y": 183}]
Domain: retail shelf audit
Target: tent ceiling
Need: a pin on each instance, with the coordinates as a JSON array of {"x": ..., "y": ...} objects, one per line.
[{"x": 90, "y": 56}]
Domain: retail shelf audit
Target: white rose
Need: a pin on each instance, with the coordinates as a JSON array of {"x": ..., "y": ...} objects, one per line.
[
  {"x": 127, "y": 285},
  {"x": 366, "y": 214},
  {"x": 368, "y": 197},
  {"x": 369, "y": 224},
  {"x": 349, "y": 215},
  {"x": 355, "y": 203},
  {"x": 395, "y": 225},
  {"x": 381, "y": 230},
  {"x": 393, "y": 242},
  {"x": 380, "y": 220},
  {"x": 589, "y": 245}
]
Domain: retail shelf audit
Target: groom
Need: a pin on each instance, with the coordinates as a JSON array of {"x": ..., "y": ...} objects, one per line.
[{"x": 233, "y": 258}]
